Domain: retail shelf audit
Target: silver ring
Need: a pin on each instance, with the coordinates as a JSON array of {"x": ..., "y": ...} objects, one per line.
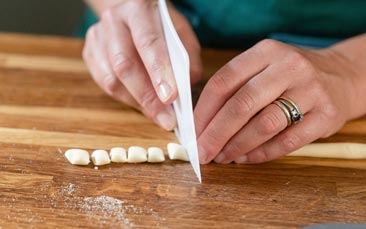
[{"x": 295, "y": 112}]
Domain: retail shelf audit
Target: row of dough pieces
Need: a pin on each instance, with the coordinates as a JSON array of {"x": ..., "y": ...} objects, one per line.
[{"x": 135, "y": 154}]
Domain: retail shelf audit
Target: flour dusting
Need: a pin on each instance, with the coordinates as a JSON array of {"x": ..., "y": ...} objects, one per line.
[
  {"x": 103, "y": 211},
  {"x": 105, "y": 206},
  {"x": 68, "y": 189}
]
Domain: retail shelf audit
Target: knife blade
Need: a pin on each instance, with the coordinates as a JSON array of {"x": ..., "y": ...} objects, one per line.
[{"x": 183, "y": 108}]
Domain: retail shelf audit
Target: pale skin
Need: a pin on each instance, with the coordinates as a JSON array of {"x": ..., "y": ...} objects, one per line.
[
  {"x": 235, "y": 120},
  {"x": 128, "y": 58}
]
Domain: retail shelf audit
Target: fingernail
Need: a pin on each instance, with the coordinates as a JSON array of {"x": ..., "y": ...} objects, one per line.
[
  {"x": 164, "y": 91},
  {"x": 220, "y": 158},
  {"x": 202, "y": 155},
  {"x": 242, "y": 159},
  {"x": 166, "y": 121}
]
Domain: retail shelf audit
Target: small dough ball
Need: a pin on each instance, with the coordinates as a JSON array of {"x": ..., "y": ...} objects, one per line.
[
  {"x": 77, "y": 156},
  {"x": 177, "y": 152},
  {"x": 155, "y": 155},
  {"x": 137, "y": 154},
  {"x": 100, "y": 157},
  {"x": 118, "y": 155}
]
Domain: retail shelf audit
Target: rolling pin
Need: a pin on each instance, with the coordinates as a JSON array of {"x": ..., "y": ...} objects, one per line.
[{"x": 332, "y": 150}]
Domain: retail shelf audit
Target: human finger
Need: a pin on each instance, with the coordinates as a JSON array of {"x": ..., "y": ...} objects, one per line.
[
  {"x": 264, "y": 126},
  {"x": 256, "y": 94},
  {"x": 230, "y": 78},
  {"x": 289, "y": 140},
  {"x": 95, "y": 57},
  {"x": 143, "y": 21},
  {"x": 129, "y": 69}
]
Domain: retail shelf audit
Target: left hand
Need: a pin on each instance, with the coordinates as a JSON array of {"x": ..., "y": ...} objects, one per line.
[{"x": 236, "y": 120}]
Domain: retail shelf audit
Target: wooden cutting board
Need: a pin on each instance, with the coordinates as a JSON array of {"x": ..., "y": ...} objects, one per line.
[{"x": 49, "y": 103}]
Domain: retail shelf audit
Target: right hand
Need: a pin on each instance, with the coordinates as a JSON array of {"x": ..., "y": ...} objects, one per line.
[{"x": 128, "y": 58}]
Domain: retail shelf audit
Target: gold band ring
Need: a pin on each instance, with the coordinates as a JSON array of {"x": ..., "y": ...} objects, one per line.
[
  {"x": 285, "y": 111},
  {"x": 295, "y": 112}
]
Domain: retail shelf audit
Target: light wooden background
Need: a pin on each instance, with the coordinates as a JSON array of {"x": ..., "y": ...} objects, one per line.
[{"x": 49, "y": 103}]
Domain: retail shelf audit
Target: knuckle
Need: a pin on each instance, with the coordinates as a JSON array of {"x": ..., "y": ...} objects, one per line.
[
  {"x": 290, "y": 142},
  {"x": 212, "y": 141},
  {"x": 219, "y": 83},
  {"x": 110, "y": 84},
  {"x": 108, "y": 14},
  {"x": 213, "y": 136},
  {"x": 232, "y": 148},
  {"x": 210, "y": 150},
  {"x": 121, "y": 64},
  {"x": 267, "y": 44},
  {"x": 330, "y": 111},
  {"x": 269, "y": 124},
  {"x": 259, "y": 156},
  {"x": 241, "y": 104},
  {"x": 90, "y": 34},
  {"x": 148, "y": 101},
  {"x": 332, "y": 117},
  {"x": 326, "y": 104},
  {"x": 148, "y": 41},
  {"x": 157, "y": 66},
  {"x": 296, "y": 60},
  {"x": 317, "y": 87}
]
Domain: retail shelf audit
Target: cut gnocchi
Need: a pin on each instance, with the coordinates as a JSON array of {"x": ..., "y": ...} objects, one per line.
[
  {"x": 155, "y": 155},
  {"x": 118, "y": 155},
  {"x": 136, "y": 154},
  {"x": 100, "y": 157},
  {"x": 77, "y": 156},
  {"x": 177, "y": 152}
]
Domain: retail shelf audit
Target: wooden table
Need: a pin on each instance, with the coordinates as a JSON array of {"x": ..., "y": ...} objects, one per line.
[{"x": 49, "y": 103}]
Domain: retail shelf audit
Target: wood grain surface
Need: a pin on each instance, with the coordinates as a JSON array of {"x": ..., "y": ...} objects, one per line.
[{"x": 49, "y": 103}]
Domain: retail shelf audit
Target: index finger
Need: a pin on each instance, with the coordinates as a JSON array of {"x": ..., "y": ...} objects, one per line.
[
  {"x": 230, "y": 78},
  {"x": 143, "y": 20}
]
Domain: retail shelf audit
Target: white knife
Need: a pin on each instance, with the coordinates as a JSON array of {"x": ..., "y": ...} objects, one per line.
[{"x": 183, "y": 108}]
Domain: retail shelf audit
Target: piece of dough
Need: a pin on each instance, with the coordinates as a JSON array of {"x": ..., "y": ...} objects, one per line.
[
  {"x": 77, "y": 156},
  {"x": 332, "y": 150},
  {"x": 100, "y": 157},
  {"x": 177, "y": 152},
  {"x": 118, "y": 155},
  {"x": 136, "y": 154},
  {"x": 155, "y": 155}
]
